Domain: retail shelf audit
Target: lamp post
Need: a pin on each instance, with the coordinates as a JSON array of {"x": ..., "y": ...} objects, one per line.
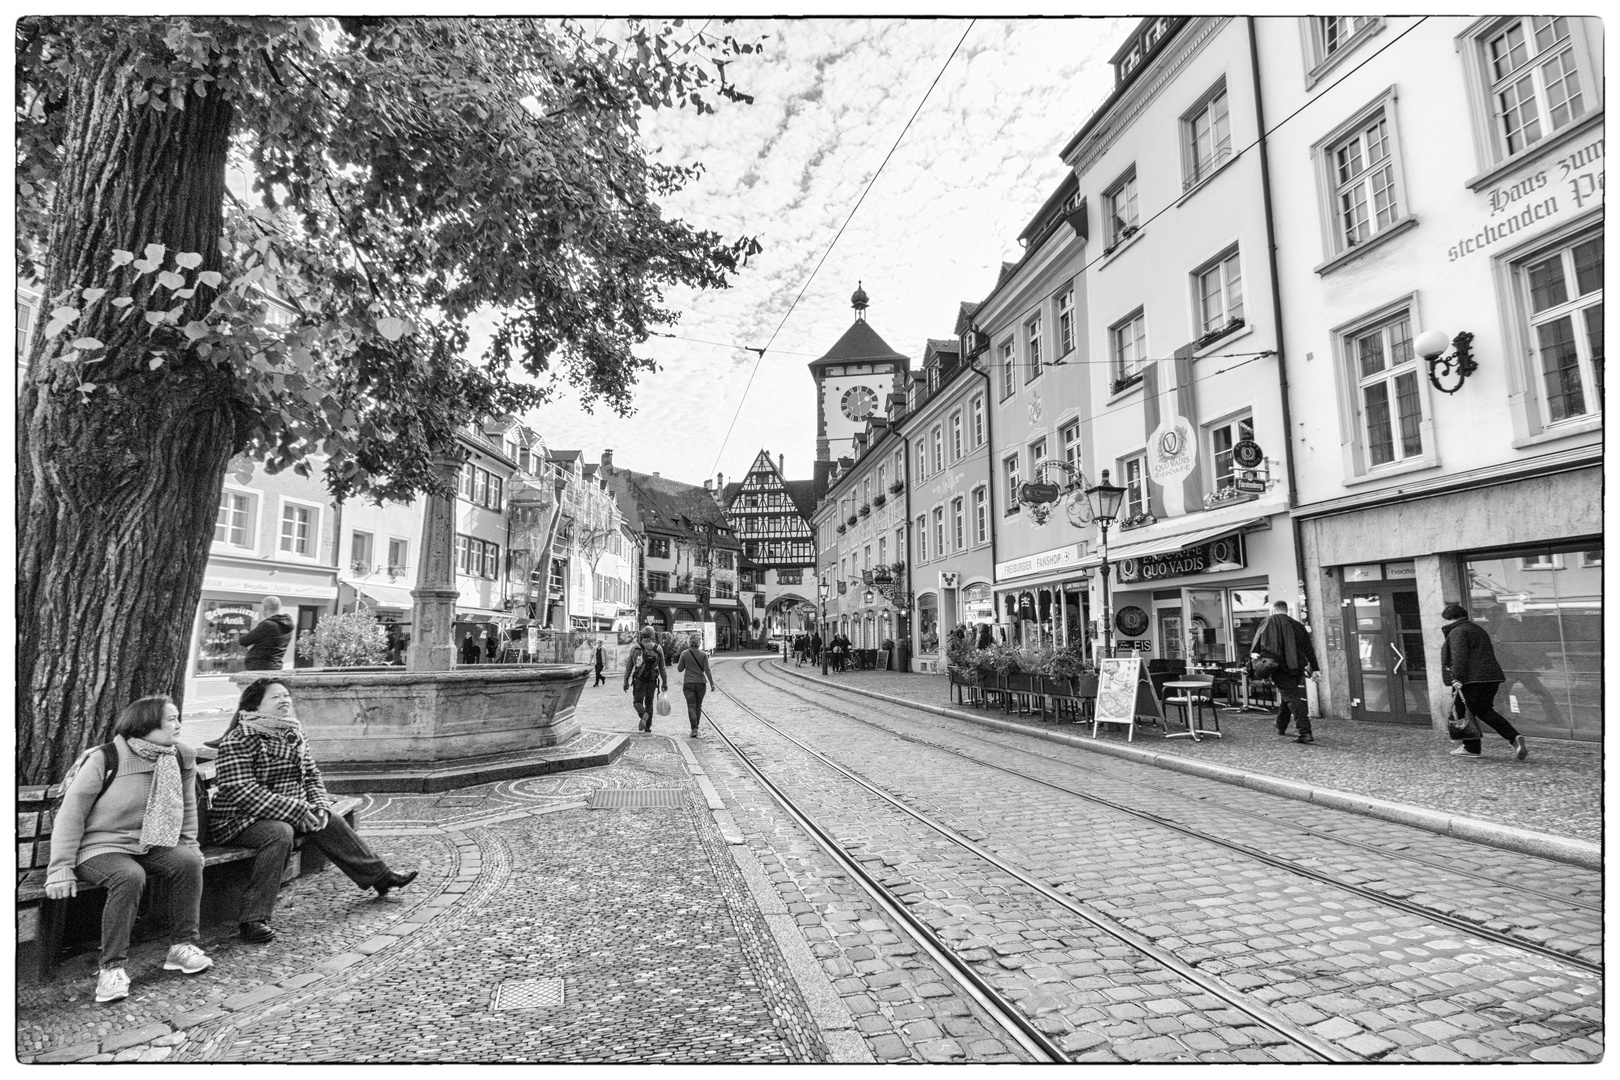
[
  {"x": 1105, "y": 499},
  {"x": 821, "y": 593}
]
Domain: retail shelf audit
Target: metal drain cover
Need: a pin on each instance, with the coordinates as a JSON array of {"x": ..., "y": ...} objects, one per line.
[
  {"x": 528, "y": 994},
  {"x": 632, "y": 798}
]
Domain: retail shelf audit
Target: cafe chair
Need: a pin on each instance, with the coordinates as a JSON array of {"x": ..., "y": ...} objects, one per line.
[{"x": 1195, "y": 702}]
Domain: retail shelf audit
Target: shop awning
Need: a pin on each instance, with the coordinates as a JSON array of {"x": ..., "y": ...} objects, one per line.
[
  {"x": 382, "y": 596},
  {"x": 1165, "y": 544}
]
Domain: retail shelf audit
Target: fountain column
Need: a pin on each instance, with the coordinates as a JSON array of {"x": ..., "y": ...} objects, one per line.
[{"x": 433, "y": 648}]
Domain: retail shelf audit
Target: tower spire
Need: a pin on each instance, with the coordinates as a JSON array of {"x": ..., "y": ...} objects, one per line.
[{"x": 858, "y": 300}]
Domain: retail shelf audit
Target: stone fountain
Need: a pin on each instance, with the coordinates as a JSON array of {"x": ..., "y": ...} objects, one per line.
[{"x": 431, "y": 727}]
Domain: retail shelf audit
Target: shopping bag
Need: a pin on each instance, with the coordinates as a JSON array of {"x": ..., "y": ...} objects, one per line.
[
  {"x": 1463, "y": 725},
  {"x": 661, "y": 703}
]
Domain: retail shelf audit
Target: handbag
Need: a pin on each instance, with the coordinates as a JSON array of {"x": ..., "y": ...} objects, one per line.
[
  {"x": 1462, "y": 724},
  {"x": 1263, "y": 667},
  {"x": 661, "y": 703}
]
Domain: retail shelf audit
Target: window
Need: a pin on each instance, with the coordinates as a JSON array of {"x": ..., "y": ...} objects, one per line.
[
  {"x": 958, "y": 523},
  {"x": 360, "y": 547},
  {"x": 937, "y": 437},
  {"x": 1206, "y": 137},
  {"x": 723, "y": 590},
  {"x": 1069, "y": 434},
  {"x": 398, "y": 556},
  {"x": 981, "y": 515},
  {"x": 1222, "y": 437},
  {"x": 1065, "y": 322},
  {"x": 1219, "y": 292},
  {"x": 1542, "y": 560},
  {"x": 1361, "y": 177},
  {"x": 480, "y": 486},
  {"x": 900, "y": 542},
  {"x": 1563, "y": 293},
  {"x": 883, "y": 486},
  {"x": 1119, "y": 210},
  {"x": 883, "y": 551},
  {"x": 1535, "y": 80},
  {"x": 1032, "y": 347},
  {"x": 866, "y": 557},
  {"x": 658, "y": 547},
  {"x": 939, "y": 530},
  {"x": 479, "y": 558},
  {"x": 723, "y": 560},
  {"x": 866, "y": 490},
  {"x": 956, "y": 435},
  {"x": 1037, "y": 454},
  {"x": 922, "y": 539},
  {"x": 658, "y": 580},
  {"x": 1008, "y": 380},
  {"x": 1133, "y": 476},
  {"x": 1127, "y": 341},
  {"x": 790, "y": 577},
  {"x": 298, "y": 530},
  {"x": 234, "y": 525},
  {"x": 1386, "y": 374},
  {"x": 976, "y": 407},
  {"x": 1009, "y": 473},
  {"x": 1333, "y": 32}
]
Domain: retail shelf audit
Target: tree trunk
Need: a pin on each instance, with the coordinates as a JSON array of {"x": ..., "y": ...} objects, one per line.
[{"x": 117, "y": 489}]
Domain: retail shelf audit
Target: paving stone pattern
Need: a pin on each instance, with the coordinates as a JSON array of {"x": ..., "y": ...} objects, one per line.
[{"x": 1308, "y": 951}]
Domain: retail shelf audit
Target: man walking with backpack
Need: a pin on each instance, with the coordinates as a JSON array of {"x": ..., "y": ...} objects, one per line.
[
  {"x": 1285, "y": 643},
  {"x": 647, "y": 670}
]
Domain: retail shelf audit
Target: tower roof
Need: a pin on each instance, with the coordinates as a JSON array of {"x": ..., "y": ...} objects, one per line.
[{"x": 859, "y": 343}]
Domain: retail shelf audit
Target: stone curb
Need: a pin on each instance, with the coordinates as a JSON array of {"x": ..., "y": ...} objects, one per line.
[{"x": 1561, "y": 849}]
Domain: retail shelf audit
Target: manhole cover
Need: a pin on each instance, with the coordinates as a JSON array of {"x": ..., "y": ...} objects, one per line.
[
  {"x": 618, "y": 798},
  {"x": 528, "y": 994}
]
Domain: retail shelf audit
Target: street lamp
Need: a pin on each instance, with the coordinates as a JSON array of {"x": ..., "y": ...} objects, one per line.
[
  {"x": 1431, "y": 345},
  {"x": 821, "y": 593},
  {"x": 1105, "y": 499}
]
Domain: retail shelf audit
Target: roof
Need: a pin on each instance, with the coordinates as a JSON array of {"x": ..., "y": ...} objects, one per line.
[
  {"x": 964, "y": 315},
  {"x": 671, "y": 507},
  {"x": 859, "y": 343},
  {"x": 944, "y": 345},
  {"x": 803, "y": 494},
  {"x": 563, "y": 455}
]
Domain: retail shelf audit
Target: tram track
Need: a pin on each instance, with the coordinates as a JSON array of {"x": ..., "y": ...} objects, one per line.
[
  {"x": 1290, "y": 866},
  {"x": 1003, "y": 1010}
]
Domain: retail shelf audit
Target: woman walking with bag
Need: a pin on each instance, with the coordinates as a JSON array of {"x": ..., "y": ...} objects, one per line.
[
  {"x": 142, "y": 823},
  {"x": 1468, "y": 663},
  {"x": 694, "y": 662}
]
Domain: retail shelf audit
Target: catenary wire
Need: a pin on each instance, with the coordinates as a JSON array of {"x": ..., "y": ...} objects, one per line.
[{"x": 761, "y": 352}]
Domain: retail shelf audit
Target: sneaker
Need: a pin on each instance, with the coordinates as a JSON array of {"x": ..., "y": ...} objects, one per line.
[
  {"x": 257, "y": 932},
  {"x": 188, "y": 958},
  {"x": 1521, "y": 749},
  {"x": 112, "y": 984},
  {"x": 1463, "y": 751},
  {"x": 1306, "y": 739}
]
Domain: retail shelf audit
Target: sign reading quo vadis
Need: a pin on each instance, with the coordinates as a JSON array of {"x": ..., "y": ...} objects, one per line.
[{"x": 1223, "y": 553}]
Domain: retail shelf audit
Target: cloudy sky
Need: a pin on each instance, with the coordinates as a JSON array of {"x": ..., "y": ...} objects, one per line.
[{"x": 831, "y": 96}]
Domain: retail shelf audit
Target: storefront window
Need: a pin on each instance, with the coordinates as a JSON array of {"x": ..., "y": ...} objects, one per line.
[
  {"x": 1207, "y": 636},
  {"x": 928, "y": 623},
  {"x": 977, "y": 606},
  {"x": 1249, "y": 610},
  {"x": 1544, "y": 611},
  {"x": 217, "y": 652}
]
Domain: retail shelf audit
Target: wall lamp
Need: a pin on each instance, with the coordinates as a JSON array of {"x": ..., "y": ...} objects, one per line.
[{"x": 1431, "y": 345}]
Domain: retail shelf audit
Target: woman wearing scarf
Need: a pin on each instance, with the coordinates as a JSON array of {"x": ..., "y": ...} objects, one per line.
[
  {"x": 144, "y": 825},
  {"x": 267, "y": 791}
]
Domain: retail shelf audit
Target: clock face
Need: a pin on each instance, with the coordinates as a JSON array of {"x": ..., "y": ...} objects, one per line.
[{"x": 859, "y": 402}]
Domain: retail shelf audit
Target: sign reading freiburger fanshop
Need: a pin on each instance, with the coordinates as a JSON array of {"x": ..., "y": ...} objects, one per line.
[{"x": 1226, "y": 553}]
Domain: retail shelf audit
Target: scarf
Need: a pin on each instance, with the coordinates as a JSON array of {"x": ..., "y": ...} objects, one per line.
[
  {"x": 273, "y": 727},
  {"x": 165, "y": 799}
]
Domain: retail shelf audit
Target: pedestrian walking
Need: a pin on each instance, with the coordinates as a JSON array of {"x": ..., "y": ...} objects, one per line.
[
  {"x": 693, "y": 663},
  {"x": 139, "y": 824},
  {"x": 469, "y": 650},
  {"x": 268, "y": 791},
  {"x": 1284, "y": 641},
  {"x": 601, "y": 662},
  {"x": 815, "y": 647},
  {"x": 1468, "y": 663},
  {"x": 647, "y": 670},
  {"x": 985, "y": 638},
  {"x": 266, "y": 643}
]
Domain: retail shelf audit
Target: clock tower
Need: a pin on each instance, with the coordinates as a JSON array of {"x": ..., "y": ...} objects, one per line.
[{"x": 853, "y": 382}]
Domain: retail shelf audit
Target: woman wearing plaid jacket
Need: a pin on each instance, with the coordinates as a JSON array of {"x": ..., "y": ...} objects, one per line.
[{"x": 267, "y": 789}]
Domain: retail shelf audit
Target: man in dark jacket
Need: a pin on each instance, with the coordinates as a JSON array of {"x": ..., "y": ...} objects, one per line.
[
  {"x": 1468, "y": 663},
  {"x": 1286, "y": 641},
  {"x": 266, "y": 643}
]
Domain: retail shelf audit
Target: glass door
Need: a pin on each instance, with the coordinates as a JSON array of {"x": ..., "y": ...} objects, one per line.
[{"x": 1389, "y": 678}]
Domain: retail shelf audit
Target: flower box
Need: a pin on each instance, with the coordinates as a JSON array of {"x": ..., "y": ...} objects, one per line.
[
  {"x": 866, "y": 510},
  {"x": 853, "y": 518},
  {"x": 879, "y": 499},
  {"x": 897, "y": 487}
]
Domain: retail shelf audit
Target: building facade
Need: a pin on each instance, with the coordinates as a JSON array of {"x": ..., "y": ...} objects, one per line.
[
  {"x": 771, "y": 516},
  {"x": 1181, "y": 315},
  {"x": 1448, "y": 175}
]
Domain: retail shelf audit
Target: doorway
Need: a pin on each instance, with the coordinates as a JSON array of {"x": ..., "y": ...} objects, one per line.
[
  {"x": 1389, "y": 677},
  {"x": 307, "y": 618}
]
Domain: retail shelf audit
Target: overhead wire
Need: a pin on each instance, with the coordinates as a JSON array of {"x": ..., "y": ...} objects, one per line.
[{"x": 761, "y": 352}]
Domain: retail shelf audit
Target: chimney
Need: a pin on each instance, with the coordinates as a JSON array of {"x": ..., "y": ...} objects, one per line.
[
  {"x": 607, "y": 460},
  {"x": 706, "y": 485},
  {"x": 658, "y": 476},
  {"x": 719, "y": 481},
  {"x": 780, "y": 458}
]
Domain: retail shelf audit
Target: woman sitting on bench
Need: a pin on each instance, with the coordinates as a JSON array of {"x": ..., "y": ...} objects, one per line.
[
  {"x": 143, "y": 822},
  {"x": 267, "y": 790}
]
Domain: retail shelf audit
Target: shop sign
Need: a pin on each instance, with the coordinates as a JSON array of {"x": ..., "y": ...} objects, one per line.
[
  {"x": 1225, "y": 553},
  {"x": 1575, "y": 178},
  {"x": 1249, "y": 481},
  {"x": 1248, "y": 454},
  {"x": 1056, "y": 559},
  {"x": 269, "y": 588},
  {"x": 1172, "y": 452},
  {"x": 1131, "y": 621}
]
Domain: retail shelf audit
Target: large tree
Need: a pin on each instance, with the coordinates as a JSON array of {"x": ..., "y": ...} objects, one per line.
[{"x": 392, "y": 177}]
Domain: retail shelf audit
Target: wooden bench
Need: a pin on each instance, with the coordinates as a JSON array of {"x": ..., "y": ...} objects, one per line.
[{"x": 45, "y": 926}]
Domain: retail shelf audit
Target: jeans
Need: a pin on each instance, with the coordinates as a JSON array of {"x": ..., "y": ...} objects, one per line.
[
  {"x": 178, "y": 868},
  {"x": 273, "y": 841},
  {"x": 694, "y": 701},
  {"x": 1291, "y": 701},
  {"x": 599, "y": 679},
  {"x": 642, "y": 694},
  {"x": 1481, "y": 701}
]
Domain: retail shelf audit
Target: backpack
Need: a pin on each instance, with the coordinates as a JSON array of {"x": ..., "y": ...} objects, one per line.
[{"x": 109, "y": 773}]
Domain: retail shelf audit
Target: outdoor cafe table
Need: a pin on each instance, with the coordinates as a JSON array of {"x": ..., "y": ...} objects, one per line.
[{"x": 1190, "y": 686}]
